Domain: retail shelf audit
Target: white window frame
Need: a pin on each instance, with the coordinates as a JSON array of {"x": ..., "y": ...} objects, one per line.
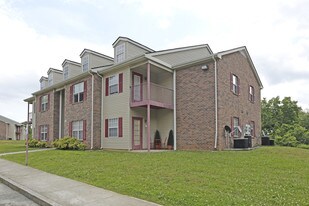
[
  {"x": 78, "y": 92},
  {"x": 120, "y": 53},
  {"x": 113, "y": 127},
  {"x": 251, "y": 93},
  {"x": 65, "y": 72},
  {"x": 78, "y": 129},
  {"x": 236, "y": 132},
  {"x": 43, "y": 133},
  {"x": 235, "y": 84},
  {"x": 85, "y": 63},
  {"x": 44, "y": 103},
  {"x": 252, "y": 125},
  {"x": 113, "y": 84}
]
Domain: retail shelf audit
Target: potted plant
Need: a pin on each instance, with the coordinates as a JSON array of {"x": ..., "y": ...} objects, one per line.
[
  {"x": 157, "y": 140},
  {"x": 170, "y": 140}
]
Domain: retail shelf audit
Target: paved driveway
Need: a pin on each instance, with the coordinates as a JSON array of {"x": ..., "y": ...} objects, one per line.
[{"x": 9, "y": 197}]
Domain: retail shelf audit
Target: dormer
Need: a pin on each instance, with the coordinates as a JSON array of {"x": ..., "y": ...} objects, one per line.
[
  {"x": 70, "y": 69},
  {"x": 43, "y": 82},
  {"x": 54, "y": 76},
  {"x": 125, "y": 48},
  {"x": 91, "y": 59}
]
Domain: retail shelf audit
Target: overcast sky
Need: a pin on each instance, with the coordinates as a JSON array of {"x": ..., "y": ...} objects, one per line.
[{"x": 38, "y": 34}]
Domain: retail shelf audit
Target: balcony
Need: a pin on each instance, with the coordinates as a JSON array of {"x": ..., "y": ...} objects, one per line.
[{"x": 160, "y": 97}]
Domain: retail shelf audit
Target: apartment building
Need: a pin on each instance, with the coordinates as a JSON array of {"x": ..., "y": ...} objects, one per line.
[
  {"x": 119, "y": 102},
  {"x": 11, "y": 130}
]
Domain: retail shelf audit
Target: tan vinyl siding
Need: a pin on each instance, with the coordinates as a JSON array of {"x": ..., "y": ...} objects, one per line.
[
  {"x": 74, "y": 70},
  {"x": 57, "y": 77},
  {"x": 95, "y": 61},
  {"x": 115, "y": 106},
  {"x": 181, "y": 57},
  {"x": 133, "y": 51},
  {"x": 165, "y": 123}
]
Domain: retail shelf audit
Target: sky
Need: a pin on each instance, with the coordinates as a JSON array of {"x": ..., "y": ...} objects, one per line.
[{"x": 36, "y": 35}]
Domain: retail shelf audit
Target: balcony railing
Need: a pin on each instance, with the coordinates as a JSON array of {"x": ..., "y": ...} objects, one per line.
[{"x": 160, "y": 96}]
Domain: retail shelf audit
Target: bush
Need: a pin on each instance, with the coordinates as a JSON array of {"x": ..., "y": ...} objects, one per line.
[
  {"x": 69, "y": 143},
  {"x": 35, "y": 143},
  {"x": 286, "y": 140},
  {"x": 303, "y": 146}
]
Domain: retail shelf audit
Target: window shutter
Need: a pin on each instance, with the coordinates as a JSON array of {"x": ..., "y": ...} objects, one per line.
[
  {"x": 48, "y": 101},
  {"x": 70, "y": 129},
  {"x": 106, "y": 127},
  {"x": 253, "y": 96},
  {"x": 120, "y": 83},
  {"x": 120, "y": 127},
  {"x": 47, "y": 134},
  {"x": 39, "y": 135},
  {"x": 40, "y": 104},
  {"x": 85, "y": 90},
  {"x": 84, "y": 129},
  {"x": 231, "y": 81},
  {"x": 249, "y": 92},
  {"x": 106, "y": 86},
  {"x": 71, "y": 94}
]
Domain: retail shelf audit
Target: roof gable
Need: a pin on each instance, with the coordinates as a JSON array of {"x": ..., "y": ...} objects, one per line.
[{"x": 126, "y": 39}]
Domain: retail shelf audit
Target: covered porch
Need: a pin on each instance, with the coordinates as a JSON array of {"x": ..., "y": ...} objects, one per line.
[{"x": 152, "y": 105}]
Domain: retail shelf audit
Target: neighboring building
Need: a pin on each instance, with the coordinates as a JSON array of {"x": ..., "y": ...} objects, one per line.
[
  {"x": 11, "y": 130},
  {"x": 119, "y": 103}
]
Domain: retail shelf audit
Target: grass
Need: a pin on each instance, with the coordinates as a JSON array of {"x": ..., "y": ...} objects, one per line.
[
  {"x": 265, "y": 176},
  {"x": 12, "y": 146}
]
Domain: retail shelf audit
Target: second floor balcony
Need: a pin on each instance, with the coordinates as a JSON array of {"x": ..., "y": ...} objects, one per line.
[{"x": 156, "y": 95}]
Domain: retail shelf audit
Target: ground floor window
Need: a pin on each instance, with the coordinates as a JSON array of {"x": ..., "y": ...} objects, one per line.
[
  {"x": 78, "y": 129},
  {"x": 43, "y": 132},
  {"x": 235, "y": 127},
  {"x": 252, "y": 127},
  {"x": 113, "y": 127}
]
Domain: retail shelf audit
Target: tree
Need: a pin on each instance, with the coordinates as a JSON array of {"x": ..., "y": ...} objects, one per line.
[{"x": 285, "y": 120}]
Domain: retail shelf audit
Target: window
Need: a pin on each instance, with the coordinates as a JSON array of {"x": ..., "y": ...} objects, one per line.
[
  {"x": 113, "y": 127},
  {"x": 235, "y": 84},
  {"x": 251, "y": 93},
  {"x": 85, "y": 63},
  {"x": 78, "y": 129},
  {"x": 50, "y": 79},
  {"x": 113, "y": 84},
  {"x": 43, "y": 132},
  {"x": 235, "y": 127},
  {"x": 44, "y": 103},
  {"x": 252, "y": 125},
  {"x": 65, "y": 72},
  {"x": 78, "y": 92},
  {"x": 120, "y": 53}
]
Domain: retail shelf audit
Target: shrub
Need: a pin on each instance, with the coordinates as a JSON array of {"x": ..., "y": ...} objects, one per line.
[
  {"x": 69, "y": 143},
  {"x": 41, "y": 144},
  {"x": 286, "y": 140},
  {"x": 170, "y": 140},
  {"x": 303, "y": 146},
  {"x": 33, "y": 143}
]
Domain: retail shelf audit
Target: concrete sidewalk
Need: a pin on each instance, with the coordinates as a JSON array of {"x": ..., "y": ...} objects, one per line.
[{"x": 48, "y": 189}]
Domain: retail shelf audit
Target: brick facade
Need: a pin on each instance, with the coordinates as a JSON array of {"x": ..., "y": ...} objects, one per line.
[
  {"x": 3, "y": 130},
  {"x": 195, "y": 107}
]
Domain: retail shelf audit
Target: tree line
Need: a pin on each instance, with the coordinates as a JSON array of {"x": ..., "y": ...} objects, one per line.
[{"x": 286, "y": 122}]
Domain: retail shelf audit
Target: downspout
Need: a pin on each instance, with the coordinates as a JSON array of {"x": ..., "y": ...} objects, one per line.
[
  {"x": 92, "y": 89},
  {"x": 102, "y": 118},
  {"x": 60, "y": 115},
  {"x": 174, "y": 99},
  {"x": 216, "y": 104}
]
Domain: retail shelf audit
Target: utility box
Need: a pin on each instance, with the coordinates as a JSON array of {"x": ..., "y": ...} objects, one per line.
[
  {"x": 249, "y": 137},
  {"x": 265, "y": 141},
  {"x": 241, "y": 143}
]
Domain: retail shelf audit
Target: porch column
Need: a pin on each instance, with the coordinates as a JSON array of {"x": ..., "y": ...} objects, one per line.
[{"x": 148, "y": 105}]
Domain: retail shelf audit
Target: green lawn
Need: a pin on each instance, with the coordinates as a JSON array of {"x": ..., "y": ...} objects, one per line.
[
  {"x": 265, "y": 176},
  {"x": 12, "y": 146}
]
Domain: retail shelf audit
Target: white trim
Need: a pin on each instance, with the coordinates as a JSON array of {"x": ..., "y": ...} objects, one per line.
[
  {"x": 132, "y": 42},
  {"x": 182, "y": 49},
  {"x": 66, "y": 61},
  {"x": 96, "y": 54}
]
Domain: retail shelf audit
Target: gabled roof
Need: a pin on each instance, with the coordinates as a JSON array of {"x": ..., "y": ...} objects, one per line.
[
  {"x": 182, "y": 55},
  {"x": 121, "y": 38},
  {"x": 43, "y": 78},
  {"x": 54, "y": 70},
  {"x": 8, "y": 120},
  {"x": 245, "y": 52},
  {"x": 96, "y": 53},
  {"x": 66, "y": 61}
]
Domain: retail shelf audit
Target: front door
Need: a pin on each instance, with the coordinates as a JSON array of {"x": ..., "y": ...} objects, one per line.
[
  {"x": 137, "y": 87},
  {"x": 137, "y": 132}
]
